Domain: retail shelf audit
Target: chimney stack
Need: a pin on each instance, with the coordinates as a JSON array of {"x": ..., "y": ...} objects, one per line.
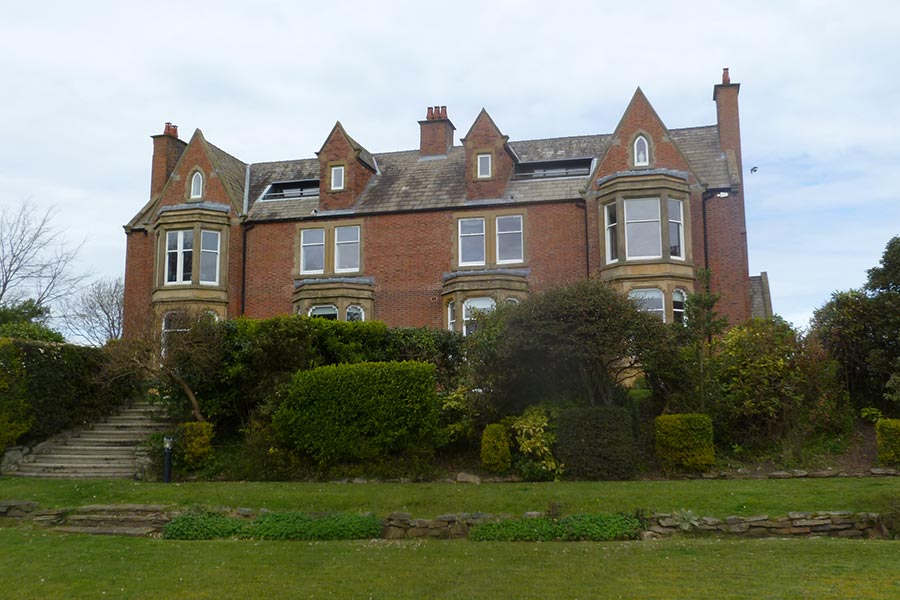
[
  {"x": 728, "y": 118},
  {"x": 436, "y": 132},
  {"x": 167, "y": 149}
]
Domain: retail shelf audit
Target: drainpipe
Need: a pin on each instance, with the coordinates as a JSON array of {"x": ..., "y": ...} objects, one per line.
[
  {"x": 245, "y": 228},
  {"x": 709, "y": 195},
  {"x": 587, "y": 243}
]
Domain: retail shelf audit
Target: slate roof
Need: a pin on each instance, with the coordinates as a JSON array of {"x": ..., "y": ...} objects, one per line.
[
  {"x": 231, "y": 171},
  {"x": 407, "y": 182}
]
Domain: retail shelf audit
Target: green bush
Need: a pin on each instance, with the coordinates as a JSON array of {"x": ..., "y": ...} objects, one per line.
[
  {"x": 495, "y": 453},
  {"x": 685, "y": 442},
  {"x": 193, "y": 444},
  {"x": 597, "y": 442},
  {"x": 576, "y": 528},
  {"x": 534, "y": 443},
  {"x": 359, "y": 412},
  {"x": 48, "y": 387},
  {"x": 199, "y": 524},
  {"x": 887, "y": 432}
]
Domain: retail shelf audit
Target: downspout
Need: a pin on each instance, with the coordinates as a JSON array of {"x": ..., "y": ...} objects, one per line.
[
  {"x": 707, "y": 195},
  {"x": 587, "y": 243},
  {"x": 244, "y": 229}
]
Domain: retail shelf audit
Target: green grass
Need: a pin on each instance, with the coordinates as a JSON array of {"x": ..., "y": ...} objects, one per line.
[
  {"x": 716, "y": 498},
  {"x": 43, "y": 565}
]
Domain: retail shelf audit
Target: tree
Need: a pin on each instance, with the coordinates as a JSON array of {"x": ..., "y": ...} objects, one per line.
[
  {"x": 96, "y": 314},
  {"x": 578, "y": 342},
  {"x": 27, "y": 320},
  {"x": 886, "y": 277},
  {"x": 35, "y": 263}
]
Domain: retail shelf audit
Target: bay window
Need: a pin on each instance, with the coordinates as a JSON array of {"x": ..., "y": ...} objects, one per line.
[
  {"x": 179, "y": 256},
  {"x": 642, "y": 228},
  {"x": 676, "y": 229},
  {"x": 209, "y": 257}
]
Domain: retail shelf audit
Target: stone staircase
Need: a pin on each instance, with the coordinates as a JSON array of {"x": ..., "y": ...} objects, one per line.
[{"x": 104, "y": 450}]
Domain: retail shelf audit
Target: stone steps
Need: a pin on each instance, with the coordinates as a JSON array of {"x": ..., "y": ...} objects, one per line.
[
  {"x": 103, "y": 450},
  {"x": 136, "y": 520}
]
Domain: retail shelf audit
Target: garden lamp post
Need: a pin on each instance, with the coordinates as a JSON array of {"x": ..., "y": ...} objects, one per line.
[{"x": 168, "y": 442}]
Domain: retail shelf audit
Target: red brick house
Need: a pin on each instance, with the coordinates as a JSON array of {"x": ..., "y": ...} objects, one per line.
[{"x": 421, "y": 237}]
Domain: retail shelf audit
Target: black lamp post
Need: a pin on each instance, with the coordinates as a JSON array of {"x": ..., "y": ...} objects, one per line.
[{"x": 168, "y": 442}]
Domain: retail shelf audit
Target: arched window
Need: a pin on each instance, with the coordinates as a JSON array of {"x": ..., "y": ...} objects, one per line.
[
  {"x": 355, "y": 313},
  {"x": 197, "y": 185},
  {"x": 324, "y": 311},
  {"x": 649, "y": 300},
  {"x": 641, "y": 152}
]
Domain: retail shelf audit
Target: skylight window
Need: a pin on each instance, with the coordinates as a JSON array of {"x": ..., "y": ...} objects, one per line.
[{"x": 287, "y": 190}]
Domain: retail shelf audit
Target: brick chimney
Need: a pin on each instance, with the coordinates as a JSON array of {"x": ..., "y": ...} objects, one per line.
[
  {"x": 726, "y": 98},
  {"x": 436, "y": 132},
  {"x": 167, "y": 149}
]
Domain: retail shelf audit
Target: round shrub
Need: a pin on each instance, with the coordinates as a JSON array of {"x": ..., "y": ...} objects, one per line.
[
  {"x": 887, "y": 433},
  {"x": 356, "y": 413},
  {"x": 685, "y": 442},
  {"x": 495, "y": 453},
  {"x": 597, "y": 442},
  {"x": 193, "y": 444}
]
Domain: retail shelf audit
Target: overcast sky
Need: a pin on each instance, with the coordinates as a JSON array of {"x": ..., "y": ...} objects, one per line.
[{"x": 85, "y": 84}]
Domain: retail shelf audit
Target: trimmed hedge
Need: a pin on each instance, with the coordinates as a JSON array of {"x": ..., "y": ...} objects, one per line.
[
  {"x": 887, "y": 433},
  {"x": 597, "y": 442},
  {"x": 47, "y": 387},
  {"x": 204, "y": 525},
  {"x": 360, "y": 412},
  {"x": 496, "y": 456},
  {"x": 577, "y": 528},
  {"x": 685, "y": 441}
]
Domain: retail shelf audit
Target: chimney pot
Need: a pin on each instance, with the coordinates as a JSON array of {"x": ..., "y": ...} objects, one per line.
[
  {"x": 726, "y": 79},
  {"x": 430, "y": 115},
  {"x": 443, "y": 112},
  {"x": 170, "y": 130}
]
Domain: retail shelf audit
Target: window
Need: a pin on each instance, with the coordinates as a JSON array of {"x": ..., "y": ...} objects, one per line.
[
  {"x": 451, "y": 315},
  {"x": 355, "y": 313},
  {"x": 209, "y": 257},
  {"x": 649, "y": 300},
  {"x": 471, "y": 242},
  {"x": 173, "y": 324},
  {"x": 337, "y": 178},
  {"x": 484, "y": 166},
  {"x": 678, "y": 297},
  {"x": 471, "y": 308},
  {"x": 312, "y": 251},
  {"x": 509, "y": 239},
  {"x": 346, "y": 249},
  {"x": 512, "y": 301},
  {"x": 612, "y": 233},
  {"x": 179, "y": 256},
  {"x": 197, "y": 185},
  {"x": 676, "y": 229},
  {"x": 324, "y": 311},
  {"x": 641, "y": 152},
  {"x": 642, "y": 230}
]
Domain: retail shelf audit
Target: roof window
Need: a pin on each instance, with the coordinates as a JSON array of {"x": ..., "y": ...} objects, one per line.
[
  {"x": 287, "y": 190},
  {"x": 574, "y": 167}
]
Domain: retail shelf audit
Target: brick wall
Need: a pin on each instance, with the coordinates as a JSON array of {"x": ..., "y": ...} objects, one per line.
[{"x": 138, "y": 283}]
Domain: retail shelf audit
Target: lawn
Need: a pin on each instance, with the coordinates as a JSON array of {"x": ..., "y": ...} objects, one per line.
[
  {"x": 43, "y": 565},
  {"x": 716, "y": 498}
]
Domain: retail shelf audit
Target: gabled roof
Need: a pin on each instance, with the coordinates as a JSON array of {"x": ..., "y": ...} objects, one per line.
[
  {"x": 700, "y": 147},
  {"x": 362, "y": 154},
  {"x": 230, "y": 171}
]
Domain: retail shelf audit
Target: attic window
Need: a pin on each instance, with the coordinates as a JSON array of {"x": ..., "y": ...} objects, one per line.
[
  {"x": 577, "y": 167},
  {"x": 337, "y": 178},
  {"x": 197, "y": 185},
  {"x": 484, "y": 166},
  {"x": 641, "y": 152},
  {"x": 287, "y": 190}
]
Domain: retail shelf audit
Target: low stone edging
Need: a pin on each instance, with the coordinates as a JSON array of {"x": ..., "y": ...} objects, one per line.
[{"x": 401, "y": 525}]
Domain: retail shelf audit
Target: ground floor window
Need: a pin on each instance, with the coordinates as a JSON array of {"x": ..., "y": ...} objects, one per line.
[
  {"x": 356, "y": 313},
  {"x": 471, "y": 309},
  {"x": 324, "y": 311},
  {"x": 678, "y": 298},
  {"x": 649, "y": 300}
]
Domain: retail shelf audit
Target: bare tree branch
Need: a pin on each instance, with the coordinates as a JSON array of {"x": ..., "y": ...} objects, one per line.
[{"x": 95, "y": 315}]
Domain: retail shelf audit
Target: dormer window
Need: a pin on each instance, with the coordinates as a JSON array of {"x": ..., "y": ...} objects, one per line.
[
  {"x": 484, "y": 166},
  {"x": 641, "y": 152},
  {"x": 337, "y": 178},
  {"x": 197, "y": 185}
]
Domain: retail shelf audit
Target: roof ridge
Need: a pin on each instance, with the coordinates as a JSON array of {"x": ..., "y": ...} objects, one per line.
[
  {"x": 694, "y": 127},
  {"x": 563, "y": 137}
]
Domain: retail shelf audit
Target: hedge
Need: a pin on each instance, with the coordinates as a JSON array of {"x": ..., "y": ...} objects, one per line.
[
  {"x": 597, "y": 442},
  {"x": 46, "y": 388},
  {"x": 887, "y": 433},
  {"x": 205, "y": 525},
  {"x": 685, "y": 441},
  {"x": 360, "y": 412}
]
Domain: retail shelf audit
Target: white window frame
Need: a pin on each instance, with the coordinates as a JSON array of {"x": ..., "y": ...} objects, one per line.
[
  {"x": 335, "y": 170},
  {"x": 461, "y": 235},
  {"x": 179, "y": 262},
  {"x": 345, "y": 246},
  {"x": 215, "y": 254},
  {"x": 469, "y": 303},
  {"x": 304, "y": 245},
  {"x": 168, "y": 331},
  {"x": 612, "y": 246},
  {"x": 680, "y": 222},
  {"x": 683, "y": 305},
  {"x": 484, "y": 169},
  {"x": 658, "y": 222},
  {"x": 331, "y": 307},
  {"x": 638, "y": 293},
  {"x": 362, "y": 313},
  {"x": 646, "y": 161},
  {"x": 197, "y": 185},
  {"x": 520, "y": 232},
  {"x": 451, "y": 315}
]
